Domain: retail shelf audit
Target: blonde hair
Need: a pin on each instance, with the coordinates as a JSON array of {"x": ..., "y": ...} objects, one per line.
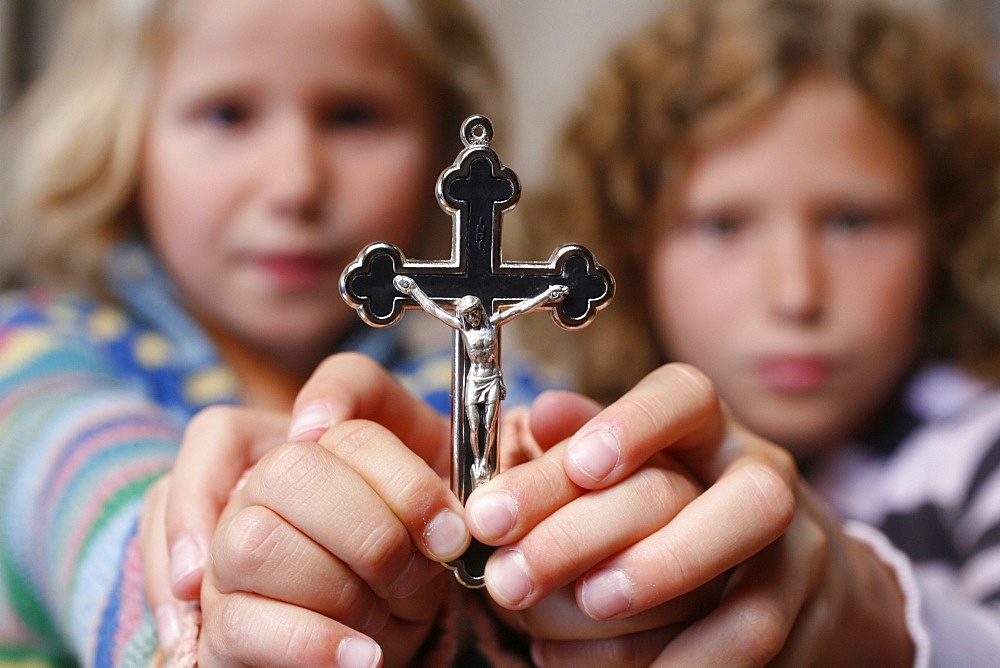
[
  {"x": 71, "y": 146},
  {"x": 708, "y": 68}
]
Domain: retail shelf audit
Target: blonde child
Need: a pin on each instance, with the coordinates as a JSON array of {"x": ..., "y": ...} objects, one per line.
[
  {"x": 181, "y": 189},
  {"x": 799, "y": 198}
]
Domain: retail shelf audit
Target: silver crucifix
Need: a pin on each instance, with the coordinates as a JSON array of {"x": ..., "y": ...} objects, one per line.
[{"x": 479, "y": 292}]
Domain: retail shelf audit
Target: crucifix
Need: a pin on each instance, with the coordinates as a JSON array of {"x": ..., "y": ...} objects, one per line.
[{"x": 475, "y": 292}]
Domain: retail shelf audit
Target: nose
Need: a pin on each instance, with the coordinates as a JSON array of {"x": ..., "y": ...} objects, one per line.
[
  {"x": 298, "y": 173},
  {"x": 794, "y": 274}
]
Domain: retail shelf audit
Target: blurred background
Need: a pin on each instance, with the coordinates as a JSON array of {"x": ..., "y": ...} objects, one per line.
[{"x": 548, "y": 48}]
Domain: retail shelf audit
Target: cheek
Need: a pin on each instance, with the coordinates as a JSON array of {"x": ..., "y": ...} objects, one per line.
[
  {"x": 178, "y": 198},
  {"x": 888, "y": 307},
  {"x": 390, "y": 190},
  {"x": 177, "y": 212},
  {"x": 691, "y": 303}
]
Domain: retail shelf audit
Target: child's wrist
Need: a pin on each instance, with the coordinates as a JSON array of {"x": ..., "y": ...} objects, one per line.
[{"x": 900, "y": 569}]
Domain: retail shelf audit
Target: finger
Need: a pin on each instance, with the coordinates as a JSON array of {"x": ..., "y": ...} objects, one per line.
[
  {"x": 508, "y": 506},
  {"x": 352, "y": 386},
  {"x": 557, "y": 617},
  {"x": 753, "y": 622},
  {"x": 638, "y": 649},
  {"x": 386, "y": 501},
  {"x": 218, "y": 445},
  {"x": 557, "y": 414},
  {"x": 675, "y": 405},
  {"x": 750, "y": 507},
  {"x": 416, "y": 495},
  {"x": 505, "y": 508},
  {"x": 244, "y": 629},
  {"x": 168, "y": 611},
  {"x": 516, "y": 445},
  {"x": 258, "y": 551},
  {"x": 581, "y": 534}
]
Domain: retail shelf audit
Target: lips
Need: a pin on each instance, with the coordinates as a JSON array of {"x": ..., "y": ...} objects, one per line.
[
  {"x": 295, "y": 271},
  {"x": 794, "y": 373}
]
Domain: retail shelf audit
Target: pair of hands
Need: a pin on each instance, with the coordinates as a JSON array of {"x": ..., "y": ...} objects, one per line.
[{"x": 654, "y": 529}]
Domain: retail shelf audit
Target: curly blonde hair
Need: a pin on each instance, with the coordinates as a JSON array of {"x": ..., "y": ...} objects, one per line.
[
  {"x": 707, "y": 68},
  {"x": 71, "y": 146}
]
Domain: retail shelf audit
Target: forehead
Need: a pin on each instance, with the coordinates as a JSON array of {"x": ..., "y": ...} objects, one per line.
[
  {"x": 310, "y": 38},
  {"x": 817, "y": 129}
]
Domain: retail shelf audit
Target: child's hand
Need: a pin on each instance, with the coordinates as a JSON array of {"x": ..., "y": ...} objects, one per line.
[
  {"x": 182, "y": 509},
  {"x": 796, "y": 588},
  {"x": 556, "y": 532},
  {"x": 221, "y": 443},
  {"x": 328, "y": 541}
]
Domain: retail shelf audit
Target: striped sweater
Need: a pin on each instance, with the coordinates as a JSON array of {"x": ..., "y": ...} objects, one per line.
[
  {"x": 93, "y": 402},
  {"x": 930, "y": 482}
]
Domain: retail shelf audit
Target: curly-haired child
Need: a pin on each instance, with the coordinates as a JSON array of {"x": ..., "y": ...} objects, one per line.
[{"x": 800, "y": 199}]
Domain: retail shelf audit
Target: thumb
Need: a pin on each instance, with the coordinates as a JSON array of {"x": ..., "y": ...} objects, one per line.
[
  {"x": 170, "y": 613},
  {"x": 220, "y": 443}
]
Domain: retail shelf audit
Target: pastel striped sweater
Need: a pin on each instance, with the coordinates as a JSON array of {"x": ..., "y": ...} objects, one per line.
[{"x": 93, "y": 402}]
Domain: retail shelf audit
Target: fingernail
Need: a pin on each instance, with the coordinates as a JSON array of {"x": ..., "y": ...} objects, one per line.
[
  {"x": 446, "y": 536},
  {"x": 596, "y": 454},
  {"x": 410, "y": 579},
  {"x": 310, "y": 423},
  {"x": 186, "y": 558},
  {"x": 168, "y": 627},
  {"x": 508, "y": 579},
  {"x": 493, "y": 515},
  {"x": 537, "y": 656},
  {"x": 241, "y": 483},
  {"x": 377, "y": 617},
  {"x": 606, "y": 594},
  {"x": 355, "y": 651}
]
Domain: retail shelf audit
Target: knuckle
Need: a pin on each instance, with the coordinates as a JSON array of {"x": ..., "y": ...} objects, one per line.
[
  {"x": 697, "y": 384},
  {"x": 382, "y": 549},
  {"x": 763, "y": 628},
  {"x": 346, "y": 438},
  {"x": 234, "y": 623},
  {"x": 677, "y": 561},
  {"x": 666, "y": 490},
  {"x": 291, "y": 468},
  {"x": 770, "y": 490},
  {"x": 248, "y": 542},
  {"x": 675, "y": 394},
  {"x": 817, "y": 544},
  {"x": 225, "y": 621},
  {"x": 628, "y": 651}
]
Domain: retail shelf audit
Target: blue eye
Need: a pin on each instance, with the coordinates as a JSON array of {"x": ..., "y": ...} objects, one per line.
[
  {"x": 850, "y": 220},
  {"x": 227, "y": 114},
  {"x": 721, "y": 226}
]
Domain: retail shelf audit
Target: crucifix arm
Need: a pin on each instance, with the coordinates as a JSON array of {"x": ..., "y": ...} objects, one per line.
[
  {"x": 408, "y": 286},
  {"x": 551, "y": 295}
]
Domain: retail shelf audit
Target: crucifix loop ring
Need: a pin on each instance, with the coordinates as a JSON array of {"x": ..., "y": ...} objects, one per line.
[{"x": 477, "y": 131}]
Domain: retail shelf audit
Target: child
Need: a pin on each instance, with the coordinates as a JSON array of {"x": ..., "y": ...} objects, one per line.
[
  {"x": 181, "y": 190},
  {"x": 799, "y": 198}
]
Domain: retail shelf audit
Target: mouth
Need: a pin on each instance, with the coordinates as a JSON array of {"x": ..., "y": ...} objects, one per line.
[
  {"x": 295, "y": 271},
  {"x": 794, "y": 374}
]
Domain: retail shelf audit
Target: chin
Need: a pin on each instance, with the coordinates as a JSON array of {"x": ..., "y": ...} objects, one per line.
[
  {"x": 803, "y": 432},
  {"x": 296, "y": 335}
]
